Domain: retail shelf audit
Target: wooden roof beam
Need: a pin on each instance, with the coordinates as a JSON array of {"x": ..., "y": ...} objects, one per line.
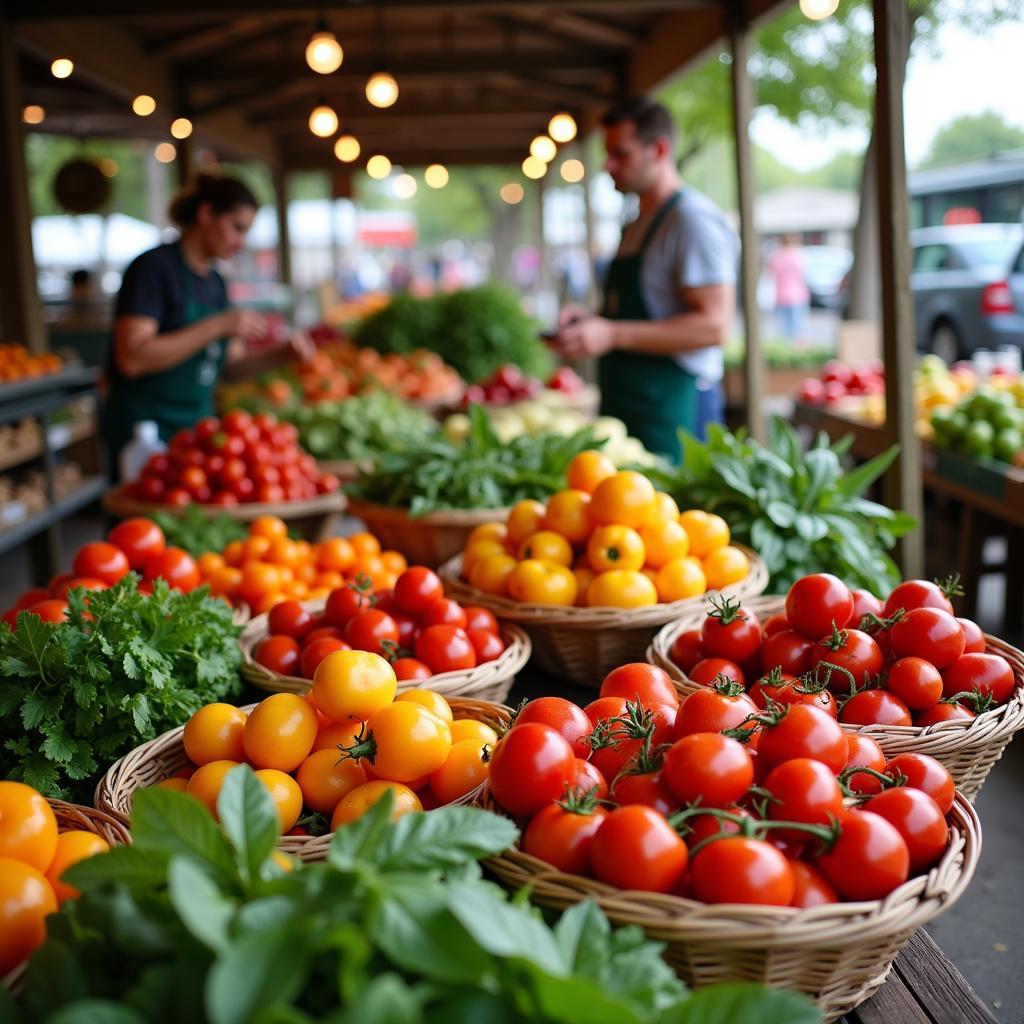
[
  {"x": 574, "y": 26},
  {"x": 247, "y": 30}
]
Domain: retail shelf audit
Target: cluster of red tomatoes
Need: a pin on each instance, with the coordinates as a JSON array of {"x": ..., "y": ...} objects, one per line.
[
  {"x": 419, "y": 630},
  {"x": 712, "y": 800},
  {"x": 908, "y": 661},
  {"x": 236, "y": 459},
  {"x": 134, "y": 544}
]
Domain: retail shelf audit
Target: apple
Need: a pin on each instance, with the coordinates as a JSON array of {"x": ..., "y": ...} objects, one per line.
[{"x": 812, "y": 391}]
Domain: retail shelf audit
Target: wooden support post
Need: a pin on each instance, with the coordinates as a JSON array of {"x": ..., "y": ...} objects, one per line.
[
  {"x": 284, "y": 245},
  {"x": 593, "y": 290},
  {"x": 903, "y": 487},
  {"x": 742, "y": 109},
  {"x": 543, "y": 269},
  {"x": 21, "y": 315}
]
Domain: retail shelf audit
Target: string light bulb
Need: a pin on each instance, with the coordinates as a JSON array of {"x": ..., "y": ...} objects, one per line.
[
  {"x": 572, "y": 171},
  {"x": 143, "y": 105},
  {"x": 62, "y": 67},
  {"x": 181, "y": 128},
  {"x": 382, "y": 89},
  {"x": 543, "y": 148},
  {"x": 347, "y": 148},
  {"x": 436, "y": 176},
  {"x": 405, "y": 186},
  {"x": 378, "y": 166},
  {"x": 511, "y": 193},
  {"x": 817, "y": 10},
  {"x": 33, "y": 114},
  {"x": 534, "y": 167},
  {"x": 165, "y": 152},
  {"x": 562, "y": 127},
  {"x": 323, "y": 52},
  {"x": 323, "y": 121}
]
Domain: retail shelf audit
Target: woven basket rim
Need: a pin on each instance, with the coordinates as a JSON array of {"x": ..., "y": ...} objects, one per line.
[
  {"x": 510, "y": 662},
  {"x": 598, "y": 617},
  {"x": 91, "y": 819},
  {"x": 679, "y": 919},
  {"x": 439, "y": 517},
  {"x": 996, "y": 723},
  {"x": 117, "y": 503}
]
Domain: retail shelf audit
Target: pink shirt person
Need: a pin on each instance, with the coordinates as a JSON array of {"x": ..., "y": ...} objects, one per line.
[{"x": 786, "y": 265}]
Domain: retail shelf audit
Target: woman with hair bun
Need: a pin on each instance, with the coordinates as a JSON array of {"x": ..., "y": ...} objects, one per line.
[{"x": 174, "y": 329}]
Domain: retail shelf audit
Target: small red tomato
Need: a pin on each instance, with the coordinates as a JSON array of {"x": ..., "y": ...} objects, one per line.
[
  {"x": 944, "y": 712},
  {"x": 918, "y": 819},
  {"x": 974, "y": 638},
  {"x": 646, "y": 788},
  {"x": 588, "y": 779},
  {"x": 345, "y": 602},
  {"x": 488, "y": 646},
  {"x": 102, "y": 561},
  {"x": 713, "y": 710},
  {"x": 848, "y": 650},
  {"x": 51, "y": 610},
  {"x": 787, "y": 650},
  {"x": 864, "y": 753},
  {"x": 810, "y": 889},
  {"x": 289, "y": 618},
  {"x": 371, "y": 631},
  {"x": 706, "y": 671},
  {"x": 804, "y": 790},
  {"x": 315, "y": 651},
  {"x": 176, "y": 566},
  {"x": 278, "y": 654},
  {"x": 923, "y": 772},
  {"x": 817, "y": 602},
  {"x": 864, "y": 603},
  {"x": 803, "y": 731},
  {"x": 320, "y": 632},
  {"x": 417, "y": 589},
  {"x": 640, "y": 681},
  {"x": 562, "y": 838},
  {"x": 687, "y": 649},
  {"x": 731, "y": 631},
  {"x": 409, "y": 669},
  {"x": 480, "y": 618},
  {"x": 138, "y": 538},
  {"x": 875, "y": 707},
  {"x": 443, "y": 612},
  {"x": 775, "y": 624},
  {"x": 445, "y": 649},
  {"x": 741, "y": 870},
  {"x": 566, "y": 718},
  {"x": 709, "y": 767},
  {"x": 989, "y": 674},
  {"x": 636, "y": 848},
  {"x": 530, "y": 768},
  {"x": 916, "y": 682},
  {"x": 929, "y": 633},
  {"x": 913, "y": 594},
  {"x": 868, "y": 860}
]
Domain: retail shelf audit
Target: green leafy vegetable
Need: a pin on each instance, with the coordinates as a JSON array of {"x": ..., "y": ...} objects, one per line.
[
  {"x": 798, "y": 509},
  {"x": 398, "y": 926},
  {"x": 479, "y": 472},
  {"x": 75, "y": 696},
  {"x": 198, "y": 533}
]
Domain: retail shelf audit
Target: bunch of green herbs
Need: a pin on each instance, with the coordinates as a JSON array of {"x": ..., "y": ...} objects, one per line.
[{"x": 197, "y": 532}]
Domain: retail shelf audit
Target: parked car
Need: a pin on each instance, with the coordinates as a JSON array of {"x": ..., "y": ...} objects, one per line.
[
  {"x": 960, "y": 279},
  {"x": 825, "y": 271}
]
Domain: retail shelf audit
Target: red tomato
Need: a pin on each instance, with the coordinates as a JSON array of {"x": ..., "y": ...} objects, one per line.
[
  {"x": 530, "y": 768},
  {"x": 152, "y": 488},
  {"x": 646, "y": 788},
  {"x": 741, "y": 870},
  {"x": 371, "y": 631},
  {"x": 270, "y": 494},
  {"x": 624, "y": 741},
  {"x": 345, "y": 602},
  {"x": 869, "y": 859},
  {"x": 194, "y": 480},
  {"x": 926, "y": 774},
  {"x": 589, "y": 779},
  {"x": 445, "y": 649},
  {"x": 566, "y": 718},
  {"x": 563, "y": 838},
  {"x": 916, "y": 682},
  {"x": 810, "y": 889},
  {"x": 787, "y": 650},
  {"x": 36, "y": 594},
  {"x": 407, "y": 669},
  {"x": 138, "y": 538},
  {"x": 928, "y": 633},
  {"x": 988, "y": 674},
  {"x": 864, "y": 753},
  {"x": 488, "y": 646},
  {"x": 708, "y": 767},
  {"x": 974, "y": 638},
  {"x": 817, "y": 601},
  {"x": 918, "y": 820},
  {"x": 864, "y": 603},
  {"x": 944, "y": 712},
  {"x": 408, "y": 628},
  {"x": 775, "y": 624},
  {"x": 321, "y": 632},
  {"x": 804, "y": 790},
  {"x": 278, "y": 654},
  {"x": 417, "y": 589},
  {"x": 803, "y": 731},
  {"x": 848, "y": 649},
  {"x": 177, "y": 496},
  {"x": 713, "y": 710},
  {"x": 731, "y": 631},
  {"x": 916, "y": 594},
  {"x": 290, "y": 619},
  {"x": 785, "y": 689},
  {"x": 315, "y": 651},
  {"x": 875, "y": 707},
  {"x": 225, "y": 498},
  {"x": 443, "y": 612},
  {"x": 640, "y": 681},
  {"x": 707, "y": 670},
  {"x": 636, "y": 848},
  {"x": 101, "y": 561},
  {"x": 236, "y": 422},
  {"x": 687, "y": 649},
  {"x": 176, "y": 566},
  {"x": 480, "y": 618},
  {"x": 704, "y": 826},
  {"x": 79, "y": 583},
  {"x": 51, "y": 610}
]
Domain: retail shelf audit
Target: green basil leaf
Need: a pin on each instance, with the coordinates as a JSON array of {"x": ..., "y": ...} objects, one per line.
[
  {"x": 361, "y": 841},
  {"x": 733, "y": 1003},
  {"x": 133, "y": 866},
  {"x": 823, "y": 470},
  {"x": 573, "y": 1000},
  {"x": 446, "y": 837},
  {"x": 857, "y": 481},
  {"x": 248, "y": 816},
  {"x": 781, "y": 514},
  {"x": 202, "y": 907},
  {"x": 735, "y": 474},
  {"x": 387, "y": 999},
  {"x": 96, "y": 1011},
  {"x": 810, "y": 528}
]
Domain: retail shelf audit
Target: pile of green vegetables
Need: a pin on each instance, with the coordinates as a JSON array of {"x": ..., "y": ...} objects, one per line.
[
  {"x": 475, "y": 330},
  {"x": 798, "y": 509},
  {"x": 478, "y": 472},
  {"x": 77, "y": 695},
  {"x": 196, "y": 922},
  {"x": 197, "y": 532},
  {"x": 781, "y": 355}
]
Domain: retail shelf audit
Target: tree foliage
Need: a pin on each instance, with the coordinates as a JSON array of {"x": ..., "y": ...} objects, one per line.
[{"x": 973, "y": 137}]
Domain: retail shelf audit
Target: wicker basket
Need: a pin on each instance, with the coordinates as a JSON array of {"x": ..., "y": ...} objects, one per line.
[
  {"x": 585, "y": 644},
  {"x": 489, "y": 681},
  {"x": 160, "y": 758},
  {"x": 967, "y": 749},
  {"x": 838, "y": 954}
]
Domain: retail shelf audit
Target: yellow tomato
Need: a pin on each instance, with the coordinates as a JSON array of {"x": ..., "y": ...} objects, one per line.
[
  {"x": 471, "y": 729},
  {"x": 431, "y": 701},
  {"x": 490, "y": 574},
  {"x": 477, "y": 550},
  {"x": 356, "y": 803},
  {"x": 627, "y": 498},
  {"x": 214, "y": 733},
  {"x": 567, "y": 514},
  {"x": 72, "y": 847},
  {"x": 209, "y": 562},
  {"x": 546, "y": 546},
  {"x": 588, "y": 469},
  {"x": 205, "y": 782},
  {"x": 724, "y": 566},
  {"x": 270, "y": 527},
  {"x": 464, "y": 769},
  {"x": 584, "y": 574},
  {"x": 351, "y": 684},
  {"x": 706, "y": 531},
  {"x": 175, "y": 783},
  {"x": 325, "y": 778},
  {"x": 539, "y": 582},
  {"x": 285, "y": 793},
  {"x": 682, "y": 577},
  {"x": 488, "y": 531},
  {"x": 280, "y": 731},
  {"x": 615, "y": 547},
  {"x": 667, "y": 508},
  {"x": 525, "y": 517},
  {"x": 621, "y": 588},
  {"x": 664, "y": 539}
]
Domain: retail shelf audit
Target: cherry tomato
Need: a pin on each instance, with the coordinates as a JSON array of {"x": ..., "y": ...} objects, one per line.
[
  {"x": 944, "y": 712},
  {"x": 464, "y": 769},
  {"x": 848, "y": 649},
  {"x": 279, "y": 732},
  {"x": 869, "y": 859},
  {"x": 989, "y": 674},
  {"x": 775, "y": 624},
  {"x": 176, "y": 566},
  {"x": 138, "y": 538},
  {"x": 918, "y": 820},
  {"x": 923, "y": 772},
  {"x": 731, "y": 631},
  {"x": 445, "y": 649},
  {"x": 687, "y": 649},
  {"x": 974, "y": 638},
  {"x": 314, "y": 652},
  {"x": 26, "y": 898},
  {"x": 355, "y": 803},
  {"x": 488, "y": 646},
  {"x": 804, "y": 790},
  {"x": 704, "y": 826},
  {"x": 371, "y": 631},
  {"x": 28, "y": 827},
  {"x": 72, "y": 846},
  {"x": 709, "y": 767},
  {"x": 916, "y": 682},
  {"x": 803, "y": 731},
  {"x": 640, "y": 681},
  {"x": 913, "y": 594},
  {"x": 531, "y": 767},
  {"x": 432, "y": 701},
  {"x": 928, "y": 633},
  {"x": 410, "y": 670},
  {"x": 444, "y": 612},
  {"x": 102, "y": 561},
  {"x": 864, "y": 753},
  {"x": 177, "y": 496},
  {"x": 50, "y": 610},
  {"x": 417, "y": 589},
  {"x": 785, "y": 689},
  {"x": 875, "y": 707},
  {"x": 588, "y": 779},
  {"x": 214, "y": 733},
  {"x": 864, "y": 603},
  {"x": 646, "y": 788},
  {"x": 636, "y": 849},
  {"x": 345, "y": 602},
  {"x": 278, "y": 654},
  {"x": 712, "y": 710},
  {"x": 816, "y": 602},
  {"x": 707, "y": 670},
  {"x": 626, "y": 742},
  {"x": 563, "y": 838},
  {"x": 320, "y": 632},
  {"x": 741, "y": 870},
  {"x": 563, "y": 716},
  {"x": 403, "y": 742},
  {"x": 353, "y": 684},
  {"x": 810, "y": 889},
  {"x": 787, "y": 650},
  {"x": 480, "y": 618}
]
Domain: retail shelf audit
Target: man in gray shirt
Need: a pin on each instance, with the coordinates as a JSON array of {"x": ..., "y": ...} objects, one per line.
[{"x": 669, "y": 292}]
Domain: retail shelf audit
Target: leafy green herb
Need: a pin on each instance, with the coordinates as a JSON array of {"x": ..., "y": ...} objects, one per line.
[
  {"x": 781, "y": 355},
  {"x": 798, "y": 509},
  {"x": 198, "y": 533},
  {"x": 75, "y": 696},
  {"x": 199, "y": 924},
  {"x": 479, "y": 472}
]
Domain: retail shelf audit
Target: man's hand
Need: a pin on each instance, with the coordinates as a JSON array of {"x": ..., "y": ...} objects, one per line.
[
  {"x": 571, "y": 313},
  {"x": 591, "y": 336},
  {"x": 245, "y": 323}
]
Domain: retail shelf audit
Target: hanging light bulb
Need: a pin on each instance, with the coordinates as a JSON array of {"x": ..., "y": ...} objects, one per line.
[
  {"x": 33, "y": 114},
  {"x": 534, "y": 167},
  {"x": 436, "y": 176},
  {"x": 347, "y": 148},
  {"x": 62, "y": 67},
  {"x": 511, "y": 193},
  {"x": 165, "y": 152},
  {"x": 378, "y": 166},
  {"x": 109, "y": 167},
  {"x": 405, "y": 186},
  {"x": 572, "y": 171},
  {"x": 181, "y": 128},
  {"x": 816, "y": 10},
  {"x": 562, "y": 127},
  {"x": 382, "y": 89},
  {"x": 143, "y": 105},
  {"x": 323, "y": 121},
  {"x": 543, "y": 148},
  {"x": 323, "y": 51}
]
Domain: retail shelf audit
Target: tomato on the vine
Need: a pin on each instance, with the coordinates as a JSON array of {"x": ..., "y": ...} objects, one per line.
[
  {"x": 709, "y": 767},
  {"x": 923, "y": 772},
  {"x": 343, "y": 603},
  {"x": 588, "y": 779},
  {"x": 864, "y": 753},
  {"x": 868, "y": 860},
  {"x": 875, "y": 707},
  {"x": 530, "y": 768},
  {"x": 913, "y": 594},
  {"x": 371, "y": 630},
  {"x": 713, "y": 710},
  {"x": 636, "y": 848},
  {"x": 929, "y": 633},
  {"x": 563, "y": 716},
  {"x": 804, "y": 790},
  {"x": 944, "y": 711},
  {"x": 785, "y": 689},
  {"x": 987, "y": 674},
  {"x": 731, "y": 631},
  {"x": 787, "y": 650},
  {"x": 646, "y": 788},
  {"x": 738, "y": 869},
  {"x": 563, "y": 837},
  {"x": 864, "y": 603},
  {"x": 707, "y": 670},
  {"x": 918, "y": 819},
  {"x": 640, "y": 681},
  {"x": 851, "y": 651},
  {"x": 803, "y": 731},
  {"x": 816, "y": 602}
]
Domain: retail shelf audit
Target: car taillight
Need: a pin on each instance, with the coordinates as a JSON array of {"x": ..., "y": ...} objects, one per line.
[{"x": 997, "y": 298}]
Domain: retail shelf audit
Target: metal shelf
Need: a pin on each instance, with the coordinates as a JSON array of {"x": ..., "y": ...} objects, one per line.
[
  {"x": 39, "y": 395},
  {"x": 90, "y": 490}
]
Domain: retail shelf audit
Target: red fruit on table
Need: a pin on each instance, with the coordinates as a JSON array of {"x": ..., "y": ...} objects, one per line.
[
  {"x": 923, "y": 772},
  {"x": 707, "y": 670},
  {"x": 488, "y": 646},
  {"x": 988, "y": 674},
  {"x": 567, "y": 719},
  {"x": 817, "y": 601},
  {"x": 916, "y": 682},
  {"x": 918, "y": 819},
  {"x": 812, "y": 392},
  {"x": 176, "y": 566},
  {"x": 803, "y": 731},
  {"x": 875, "y": 707},
  {"x": 315, "y": 651},
  {"x": 101, "y": 560},
  {"x": 445, "y": 649},
  {"x": 913, "y": 594},
  {"x": 417, "y": 589},
  {"x": 788, "y": 651},
  {"x": 731, "y": 631},
  {"x": 687, "y": 649},
  {"x": 708, "y": 767},
  {"x": 640, "y": 681},
  {"x": 563, "y": 838},
  {"x": 974, "y": 638},
  {"x": 869, "y": 859},
  {"x": 713, "y": 710},
  {"x": 138, "y": 538},
  {"x": 864, "y": 753},
  {"x": 929, "y": 633},
  {"x": 530, "y": 768},
  {"x": 636, "y": 848}
]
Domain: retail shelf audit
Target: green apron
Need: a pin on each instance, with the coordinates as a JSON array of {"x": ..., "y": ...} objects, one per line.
[
  {"x": 653, "y": 395},
  {"x": 174, "y": 398}
]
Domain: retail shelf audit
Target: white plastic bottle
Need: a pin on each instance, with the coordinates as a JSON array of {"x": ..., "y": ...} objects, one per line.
[{"x": 136, "y": 453}]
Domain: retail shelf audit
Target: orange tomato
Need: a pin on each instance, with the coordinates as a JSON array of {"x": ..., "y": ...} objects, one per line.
[
  {"x": 664, "y": 539},
  {"x": 205, "y": 783},
  {"x": 72, "y": 847},
  {"x": 259, "y": 578},
  {"x": 705, "y": 530},
  {"x": 667, "y": 508},
  {"x": 525, "y": 517},
  {"x": 407, "y": 741},
  {"x": 280, "y": 732},
  {"x": 615, "y": 547},
  {"x": 567, "y": 514},
  {"x": 224, "y": 582},
  {"x": 431, "y": 701},
  {"x": 353, "y": 684},
  {"x": 488, "y": 531},
  {"x": 337, "y": 734},
  {"x": 724, "y": 566},
  {"x": 335, "y": 554},
  {"x": 28, "y": 828},
  {"x": 306, "y": 573},
  {"x": 324, "y": 779},
  {"x": 621, "y": 588},
  {"x": 234, "y": 552},
  {"x": 364, "y": 543},
  {"x": 270, "y": 527},
  {"x": 283, "y": 551},
  {"x": 628, "y": 498},
  {"x": 358, "y": 801},
  {"x": 178, "y": 785},
  {"x": 476, "y": 551},
  {"x": 209, "y": 562},
  {"x": 255, "y": 547},
  {"x": 584, "y": 575},
  {"x": 26, "y": 897},
  {"x": 214, "y": 733},
  {"x": 680, "y": 578},
  {"x": 588, "y": 469},
  {"x": 491, "y": 573},
  {"x": 267, "y": 600},
  {"x": 464, "y": 769},
  {"x": 372, "y": 567},
  {"x": 539, "y": 582},
  {"x": 330, "y": 580},
  {"x": 394, "y": 561},
  {"x": 546, "y": 546},
  {"x": 285, "y": 793},
  {"x": 471, "y": 729}
]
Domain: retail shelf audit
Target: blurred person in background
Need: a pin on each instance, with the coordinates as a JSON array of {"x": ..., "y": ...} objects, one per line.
[{"x": 792, "y": 296}]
